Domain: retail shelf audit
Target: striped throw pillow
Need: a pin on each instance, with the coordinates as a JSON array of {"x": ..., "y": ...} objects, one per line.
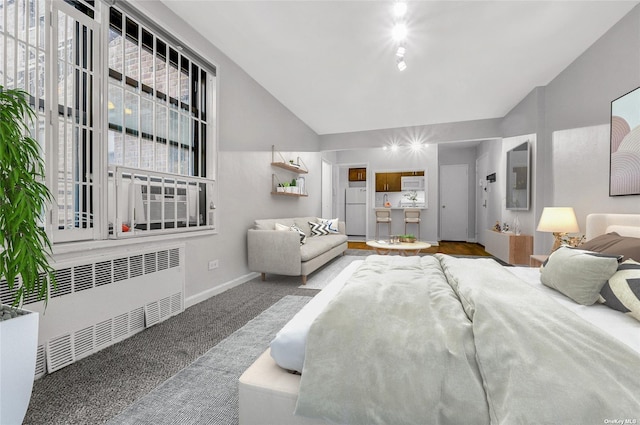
[
  {"x": 319, "y": 229},
  {"x": 303, "y": 236},
  {"x": 622, "y": 290}
]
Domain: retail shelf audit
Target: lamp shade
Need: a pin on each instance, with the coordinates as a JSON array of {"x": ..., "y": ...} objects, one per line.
[{"x": 558, "y": 220}]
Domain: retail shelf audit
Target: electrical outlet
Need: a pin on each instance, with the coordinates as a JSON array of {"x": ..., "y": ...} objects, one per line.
[{"x": 213, "y": 264}]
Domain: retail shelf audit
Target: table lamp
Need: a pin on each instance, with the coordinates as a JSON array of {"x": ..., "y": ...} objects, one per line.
[{"x": 559, "y": 221}]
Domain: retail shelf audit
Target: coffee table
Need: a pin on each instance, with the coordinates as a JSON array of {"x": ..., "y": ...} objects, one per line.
[{"x": 403, "y": 248}]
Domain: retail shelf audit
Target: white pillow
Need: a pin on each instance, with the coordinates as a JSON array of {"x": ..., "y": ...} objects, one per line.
[
  {"x": 282, "y": 227},
  {"x": 332, "y": 224}
]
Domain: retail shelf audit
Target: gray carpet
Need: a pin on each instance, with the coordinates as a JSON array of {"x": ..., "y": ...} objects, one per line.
[
  {"x": 206, "y": 392},
  {"x": 99, "y": 387}
]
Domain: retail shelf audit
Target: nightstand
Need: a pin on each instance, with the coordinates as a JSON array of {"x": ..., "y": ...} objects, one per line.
[{"x": 537, "y": 260}]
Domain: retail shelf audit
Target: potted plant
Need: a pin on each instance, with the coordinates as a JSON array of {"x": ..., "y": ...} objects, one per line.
[
  {"x": 24, "y": 251},
  {"x": 294, "y": 187},
  {"x": 280, "y": 188},
  {"x": 407, "y": 238}
]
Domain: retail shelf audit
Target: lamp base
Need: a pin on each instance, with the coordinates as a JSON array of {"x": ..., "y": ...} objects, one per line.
[{"x": 558, "y": 240}]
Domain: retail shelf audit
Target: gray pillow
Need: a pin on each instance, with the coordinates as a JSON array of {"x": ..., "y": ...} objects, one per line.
[
  {"x": 578, "y": 274},
  {"x": 622, "y": 290}
]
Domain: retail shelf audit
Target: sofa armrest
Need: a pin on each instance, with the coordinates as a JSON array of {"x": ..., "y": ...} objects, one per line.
[
  {"x": 342, "y": 228},
  {"x": 273, "y": 251}
]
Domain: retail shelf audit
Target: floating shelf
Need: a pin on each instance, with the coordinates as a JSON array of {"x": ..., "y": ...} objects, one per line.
[
  {"x": 288, "y": 167},
  {"x": 297, "y": 195}
]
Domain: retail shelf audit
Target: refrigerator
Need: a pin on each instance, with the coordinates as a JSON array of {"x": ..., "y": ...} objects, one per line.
[{"x": 356, "y": 211}]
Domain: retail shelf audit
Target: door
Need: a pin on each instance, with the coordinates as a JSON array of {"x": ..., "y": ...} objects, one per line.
[
  {"x": 327, "y": 189},
  {"x": 482, "y": 197},
  {"x": 454, "y": 202}
]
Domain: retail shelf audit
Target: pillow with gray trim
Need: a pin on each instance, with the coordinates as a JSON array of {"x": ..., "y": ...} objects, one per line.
[
  {"x": 578, "y": 274},
  {"x": 622, "y": 290}
]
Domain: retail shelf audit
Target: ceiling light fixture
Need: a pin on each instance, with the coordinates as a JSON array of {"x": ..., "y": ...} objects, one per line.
[
  {"x": 399, "y": 9},
  {"x": 399, "y": 32},
  {"x": 402, "y": 65}
]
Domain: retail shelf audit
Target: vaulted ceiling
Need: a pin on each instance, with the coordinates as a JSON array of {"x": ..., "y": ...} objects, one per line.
[{"x": 332, "y": 63}]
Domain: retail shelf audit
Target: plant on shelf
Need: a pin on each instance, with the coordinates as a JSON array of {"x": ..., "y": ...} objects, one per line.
[
  {"x": 294, "y": 187},
  {"x": 24, "y": 250}
]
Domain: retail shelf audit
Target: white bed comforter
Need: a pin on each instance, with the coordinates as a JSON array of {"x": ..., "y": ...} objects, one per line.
[{"x": 443, "y": 340}]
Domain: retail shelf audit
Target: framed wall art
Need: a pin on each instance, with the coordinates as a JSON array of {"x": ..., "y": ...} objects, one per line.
[{"x": 624, "y": 169}]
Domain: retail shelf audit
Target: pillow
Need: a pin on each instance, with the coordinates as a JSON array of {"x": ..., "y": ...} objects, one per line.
[
  {"x": 332, "y": 224},
  {"x": 319, "y": 229},
  {"x": 614, "y": 244},
  {"x": 281, "y": 227},
  {"x": 578, "y": 274},
  {"x": 303, "y": 236},
  {"x": 622, "y": 290}
]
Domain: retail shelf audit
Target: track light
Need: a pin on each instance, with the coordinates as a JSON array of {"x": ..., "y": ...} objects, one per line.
[
  {"x": 402, "y": 65},
  {"x": 399, "y": 31},
  {"x": 401, "y": 51},
  {"x": 399, "y": 9}
]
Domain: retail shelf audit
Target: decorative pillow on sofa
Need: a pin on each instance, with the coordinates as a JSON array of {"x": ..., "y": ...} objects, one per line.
[
  {"x": 303, "y": 236},
  {"x": 614, "y": 244},
  {"x": 622, "y": 290},
  {"x": 281, "y": 227},
  {"x": 578, "y": 274},
  {"x": 319, "y": 229},
  {"x": 332, "y": 224}
]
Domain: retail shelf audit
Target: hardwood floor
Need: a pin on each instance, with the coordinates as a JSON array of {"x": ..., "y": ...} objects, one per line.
[{"x": 445, "y": 247}]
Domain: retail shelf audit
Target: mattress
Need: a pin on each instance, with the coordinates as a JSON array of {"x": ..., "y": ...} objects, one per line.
[{"x": 288, "y": 347}]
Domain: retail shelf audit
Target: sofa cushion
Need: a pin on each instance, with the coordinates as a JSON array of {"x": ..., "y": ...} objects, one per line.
[
  {"x": 270, "y": 223},
  {"x": 319, "y": 245}
]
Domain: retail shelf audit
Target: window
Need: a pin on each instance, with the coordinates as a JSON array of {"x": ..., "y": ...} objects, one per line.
[
  {"x": 157, "y": 102},
  {"x": 159, "y": 137}
]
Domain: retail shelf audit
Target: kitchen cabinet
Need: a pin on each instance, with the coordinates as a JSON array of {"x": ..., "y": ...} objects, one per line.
[
  {"x": 412, "y": 173},
  {"x": 388, "y": 182},
  {"x": 357, "y": 174}
]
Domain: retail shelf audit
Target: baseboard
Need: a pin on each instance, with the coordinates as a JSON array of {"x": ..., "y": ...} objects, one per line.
[{"x": 205, "y": 295}]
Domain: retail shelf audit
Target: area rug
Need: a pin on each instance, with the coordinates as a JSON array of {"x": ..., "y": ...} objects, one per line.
[
  {"x": 206, "y": 392},
  {"x": 325, "y": 274}
]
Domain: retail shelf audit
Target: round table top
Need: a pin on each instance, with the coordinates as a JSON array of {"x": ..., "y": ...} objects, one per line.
[{"x": 380, "y": 244}]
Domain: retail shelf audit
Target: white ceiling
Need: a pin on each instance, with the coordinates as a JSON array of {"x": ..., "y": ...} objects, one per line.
[{"x": 332, "y": 63}]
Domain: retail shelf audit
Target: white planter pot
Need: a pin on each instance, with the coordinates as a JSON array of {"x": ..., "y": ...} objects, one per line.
[
  {"x": 295, "y": 189},
  {"x": 18, "y": 349},
  {"x": 279, "y": 189}
]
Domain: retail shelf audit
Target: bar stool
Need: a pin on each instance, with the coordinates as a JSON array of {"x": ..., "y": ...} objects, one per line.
[
  {"x": 412, "y": 216},
  {"x": 383, "y": 215}
]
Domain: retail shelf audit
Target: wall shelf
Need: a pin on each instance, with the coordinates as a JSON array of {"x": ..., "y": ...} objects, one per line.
[
  {"x": 288, "y": 167},
  {"x": 299, "y": 168}
]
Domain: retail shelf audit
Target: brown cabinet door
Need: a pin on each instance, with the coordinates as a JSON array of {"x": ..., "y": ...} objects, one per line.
[
  {"x": 394, "y": 182},
  {"x": 357, "y": 174},
  {"x": 381, "y": 182}
]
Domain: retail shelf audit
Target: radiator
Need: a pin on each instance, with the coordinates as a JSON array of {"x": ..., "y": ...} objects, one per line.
[{"x": 102, "y": 300}]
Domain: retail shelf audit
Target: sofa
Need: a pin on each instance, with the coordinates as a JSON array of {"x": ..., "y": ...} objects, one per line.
[{"x": 281, "y": 251}]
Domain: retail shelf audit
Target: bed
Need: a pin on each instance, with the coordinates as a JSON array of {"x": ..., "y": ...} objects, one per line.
[{"x": 439, "y": 339}]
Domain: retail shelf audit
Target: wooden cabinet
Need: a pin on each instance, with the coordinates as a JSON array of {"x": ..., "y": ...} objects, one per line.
[
  {"x": 412, "y": 173},
  {"x": 388, "y": 182},
  {"x": 357, "y": 174},
  {"x": 508, "y": 247}
]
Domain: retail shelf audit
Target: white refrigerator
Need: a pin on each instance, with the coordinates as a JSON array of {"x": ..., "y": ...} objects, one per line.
[{"x": 356, "y": 211}]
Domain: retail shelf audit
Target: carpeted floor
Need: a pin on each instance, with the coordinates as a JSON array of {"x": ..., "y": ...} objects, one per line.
[
  {"x": 97, "y": 388},
  {"x": 206, "y": 391}
]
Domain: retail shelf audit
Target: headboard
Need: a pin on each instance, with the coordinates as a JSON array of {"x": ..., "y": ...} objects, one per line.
[{"x": 623, "y": 224}]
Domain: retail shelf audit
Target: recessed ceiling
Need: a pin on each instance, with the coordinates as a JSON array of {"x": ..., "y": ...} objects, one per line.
[{"x": 332, "y": 62}]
